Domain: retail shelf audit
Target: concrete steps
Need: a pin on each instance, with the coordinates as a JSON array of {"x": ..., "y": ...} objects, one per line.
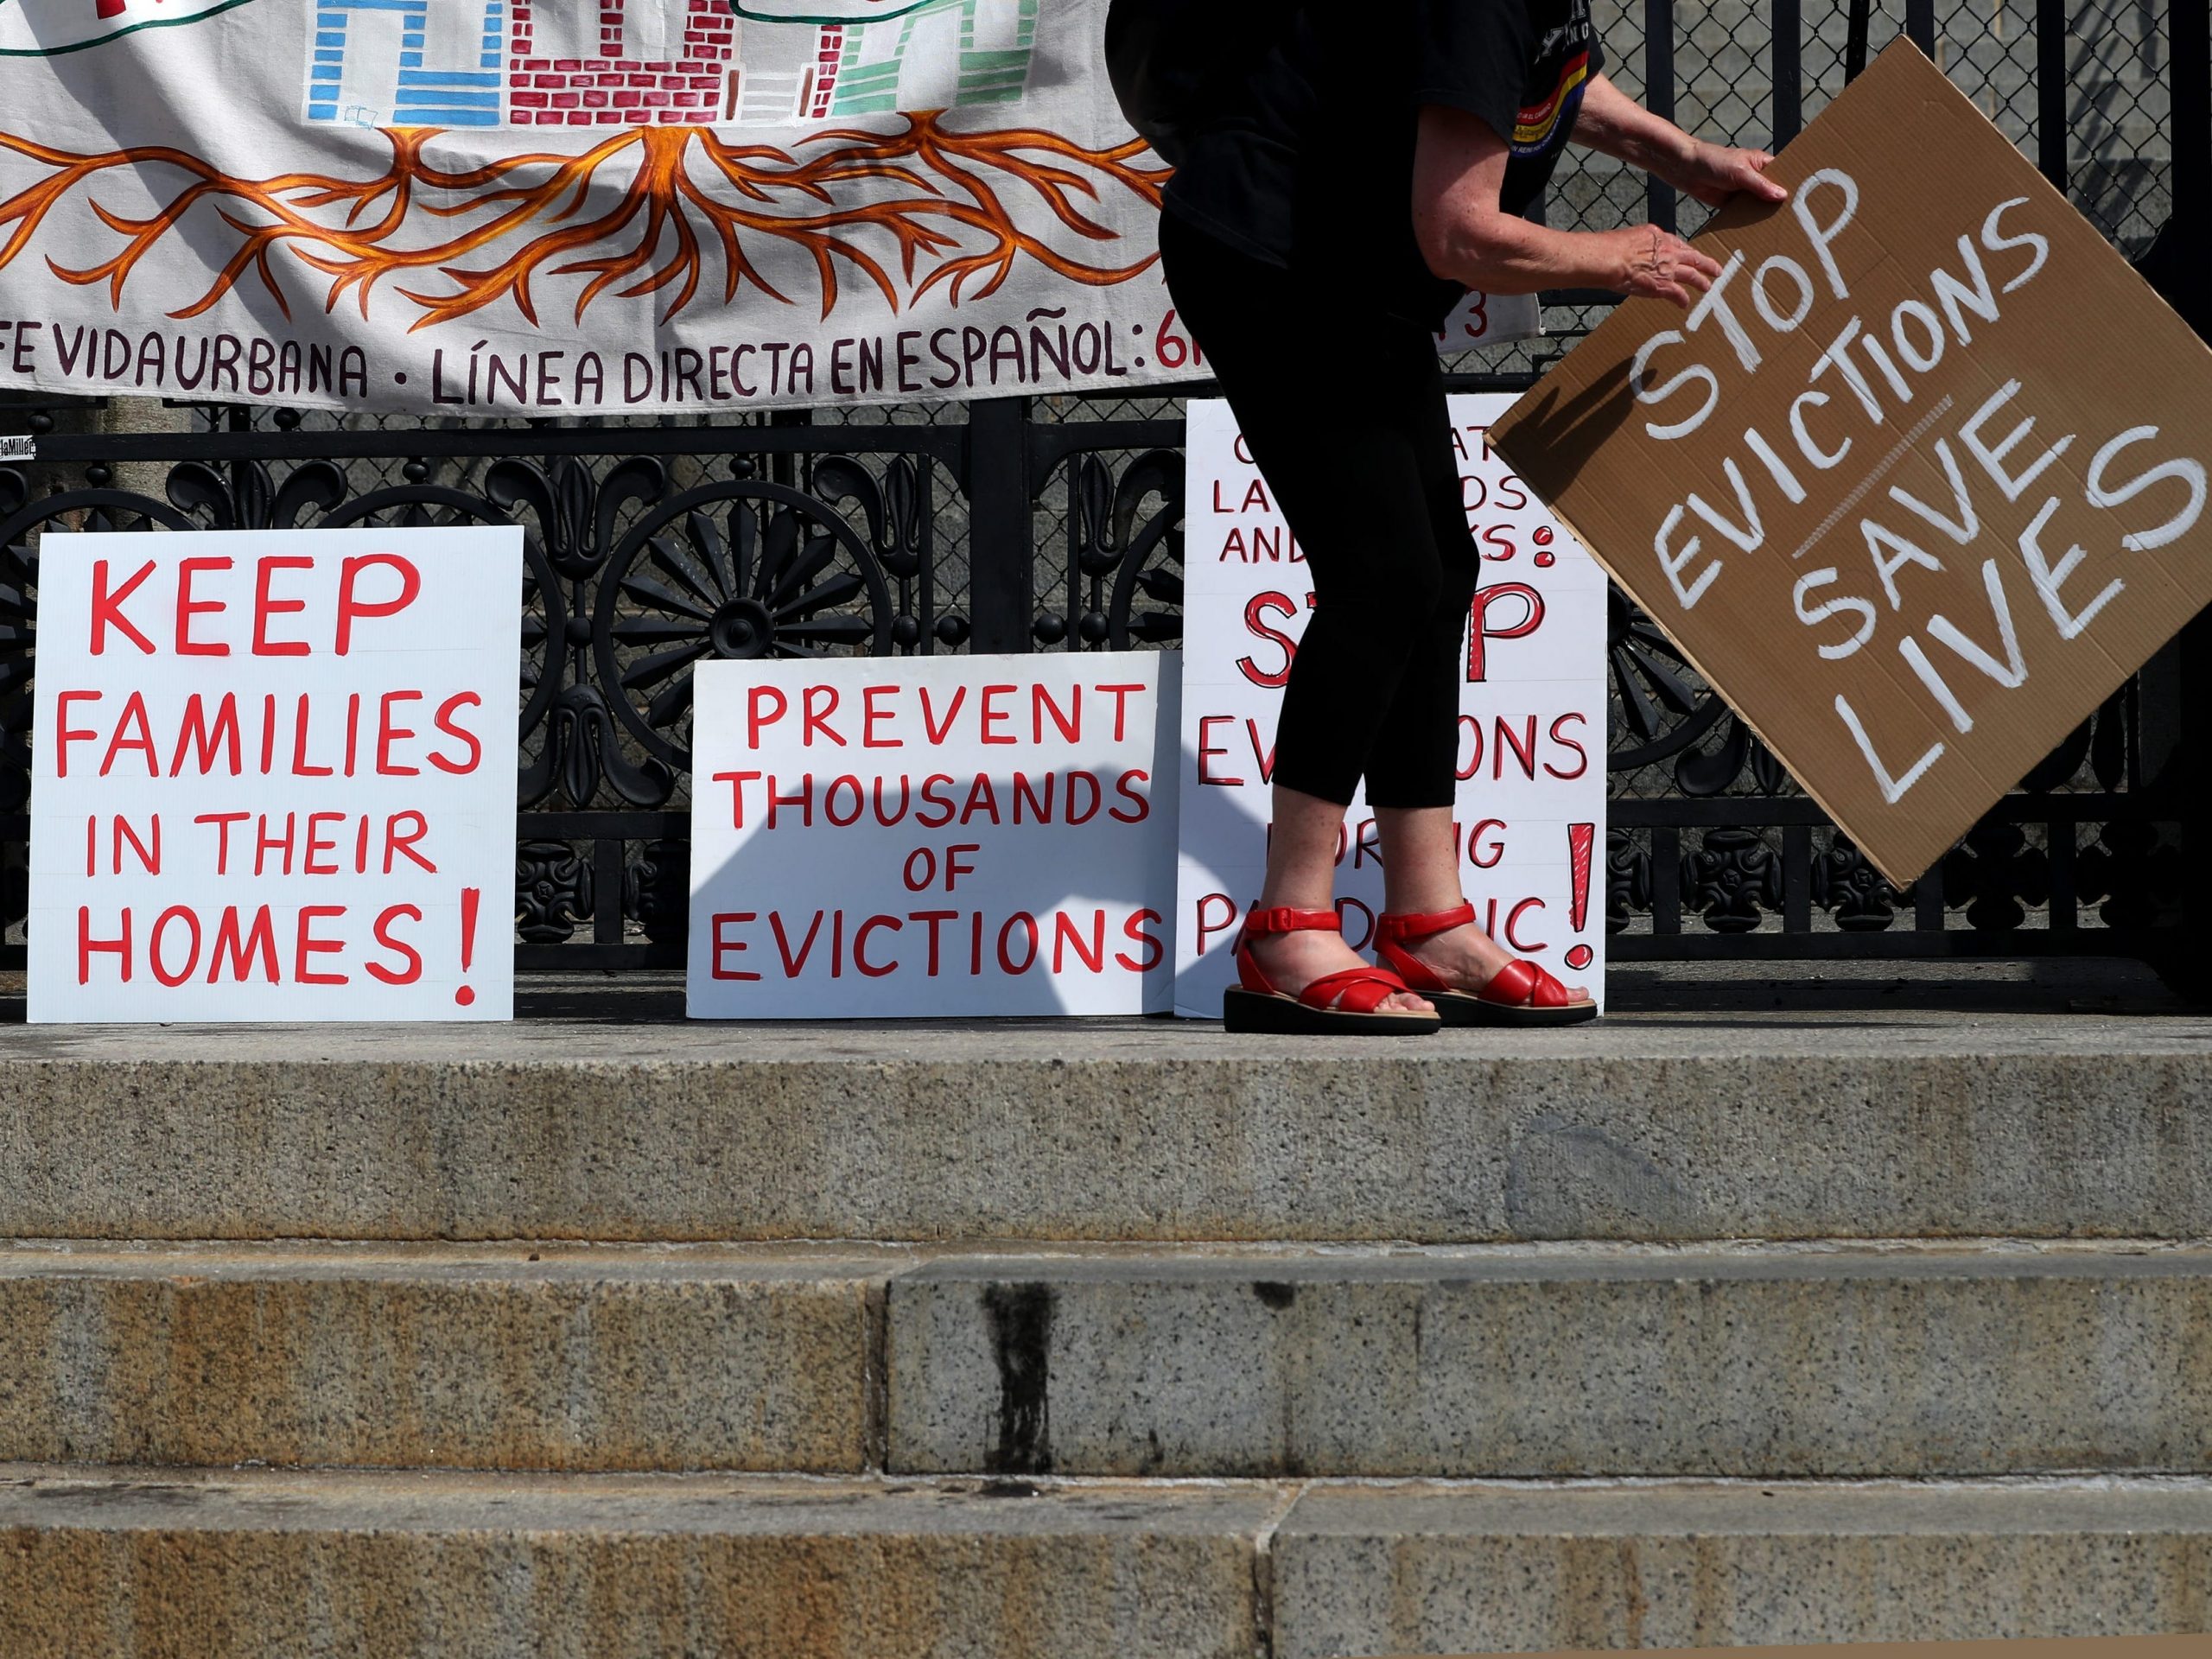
[
  {"x": 551, "y": 1357},
  {"x": 1473, "y": 1569},
  {"x": 270, "y": 1566},
  {"x": 605, "y": 1335},
  {"x": 260, "y": 1565},
  {"x": 1759, "y": 1361},
  {"x": 1905, "y": 1124},
  {"x": 1582, "y": 1362}
]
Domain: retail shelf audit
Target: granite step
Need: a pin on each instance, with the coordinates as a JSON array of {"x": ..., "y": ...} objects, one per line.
[
  {"x": 1225, "y": 1360},
  {"x": 1890, "y": 1122},
  {"x": 154, "y": 1564},
  {"x": 255, "y": 1565},
  {"x": 1556, "y": 1361},
  {"x": 1460, "y": 1569},
  {"x": 518, "y": 1357}
]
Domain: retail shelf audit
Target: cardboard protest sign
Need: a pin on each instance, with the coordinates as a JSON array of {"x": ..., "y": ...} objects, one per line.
[
  {"x": 932, "y": 836},
  {"x": 1916, "y": 486},
  {"x": 273, "y": 775},
  {"x": 1532, "y": 721}
]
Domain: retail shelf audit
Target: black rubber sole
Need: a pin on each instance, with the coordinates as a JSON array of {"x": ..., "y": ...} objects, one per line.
[
  {"x": 1457, "y": 1008},
  {"x": 1256, "y": 1013}
]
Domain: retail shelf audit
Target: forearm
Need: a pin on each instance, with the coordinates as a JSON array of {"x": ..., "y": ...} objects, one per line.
[
  {"x": 1464, "y": 236},
  {"x": 1614, "y": 124},
  {"x": 1495, "y": 253}
]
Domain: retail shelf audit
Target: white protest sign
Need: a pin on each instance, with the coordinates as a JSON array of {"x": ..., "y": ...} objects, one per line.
[
  {"x": 1531, "y": 809},
  {"x": 1489, "y": 320},
  {"x": 933, "y": 835},
  {"x": 274, "y": 775}
]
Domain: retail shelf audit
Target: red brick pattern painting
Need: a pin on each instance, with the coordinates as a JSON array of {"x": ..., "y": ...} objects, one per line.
[{"x": 613, "y": 88}]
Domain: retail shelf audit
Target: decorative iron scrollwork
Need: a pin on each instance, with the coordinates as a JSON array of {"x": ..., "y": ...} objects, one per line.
[
  {"x": 1852, "y": 890},
  {"x": 1996, "y": 876},
  {"x": 1151, "y": 566},
  {"x": 2137, "y": 875},
  {"x": 656, "y": 890},
  {"x": 1733, "y": 879},
  {"x": 553, "y": 891},
  {"x": 740, "y": 571},
  {"x": 1628, "y": 878},
  {"x": 1664, "y": 708}
]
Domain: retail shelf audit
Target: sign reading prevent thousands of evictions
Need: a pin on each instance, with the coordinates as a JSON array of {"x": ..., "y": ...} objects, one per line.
[
  {"x": 936, "y": 835},
  {"x": 274, "y": 775},
  {"x": 1916, "y": 486}
]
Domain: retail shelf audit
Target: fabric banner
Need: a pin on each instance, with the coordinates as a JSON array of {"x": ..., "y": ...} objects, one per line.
[{"x": 598, "y": 206}]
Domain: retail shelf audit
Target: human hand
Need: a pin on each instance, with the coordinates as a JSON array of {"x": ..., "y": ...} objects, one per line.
[
  {"x": 1644, "y": 261},
  {"x": 1713, "y": 172}
]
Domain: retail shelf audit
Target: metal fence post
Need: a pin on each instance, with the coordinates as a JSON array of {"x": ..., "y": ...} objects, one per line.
[
  {"x": 1920, "y": 24},
  {"x": 2175, "y": 267},
  {"x": 2052, "y": 135},
  {"x": 1659, "y": 97},
  {"x": 1789, "y": 72},
  {"x": 1001, "y": 557}
]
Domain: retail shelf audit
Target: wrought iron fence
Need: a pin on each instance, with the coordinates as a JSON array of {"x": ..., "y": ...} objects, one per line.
[{"x": 1054, "y": 524}]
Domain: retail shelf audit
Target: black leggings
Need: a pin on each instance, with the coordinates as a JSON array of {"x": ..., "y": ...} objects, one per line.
[{"x": 1345, "y": 415}]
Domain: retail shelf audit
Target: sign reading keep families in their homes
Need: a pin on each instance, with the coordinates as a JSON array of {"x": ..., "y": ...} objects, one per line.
[
  {"x": 936, "y": 835},
  {"x": 1531, "y": 803},
  {"x": 274, "y": 776},
  {"x": 1916, "y": 486}
]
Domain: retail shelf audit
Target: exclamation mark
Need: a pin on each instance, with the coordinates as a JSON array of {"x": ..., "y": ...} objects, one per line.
[
  {"x": 1581, "y": 840},
  {"x": 469, "y": 897}
]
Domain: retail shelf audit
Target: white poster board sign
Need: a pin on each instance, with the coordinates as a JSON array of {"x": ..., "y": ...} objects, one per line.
[
  {"x": 933, "y": 836},
  {"x": 1489, "y": 320},
  {"x": 273, "y": 775},
  {"x": 1532, "y": 724}
]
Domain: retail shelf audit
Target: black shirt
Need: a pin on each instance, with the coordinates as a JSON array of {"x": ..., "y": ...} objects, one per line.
[{"x": 1308, "y": 162}]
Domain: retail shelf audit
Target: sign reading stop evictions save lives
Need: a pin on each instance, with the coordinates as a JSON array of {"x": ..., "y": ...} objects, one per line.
[
  {"x": 1916, "y": 486},
  {"x": 274, "y": 776}
]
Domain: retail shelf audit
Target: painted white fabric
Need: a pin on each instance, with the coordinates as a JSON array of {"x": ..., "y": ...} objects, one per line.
[{"x": 502, "y": 207}]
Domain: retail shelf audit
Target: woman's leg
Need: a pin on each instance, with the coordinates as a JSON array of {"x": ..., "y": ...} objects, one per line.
[
  {"x": 1420, "y": 876},
  {"x": 1414, "y": 764},
  {"x": 1413, "y": 778},
  {"x": 1330, "y": 440}
]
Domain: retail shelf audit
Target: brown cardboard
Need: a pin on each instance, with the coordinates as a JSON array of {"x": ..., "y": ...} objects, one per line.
[{"x": 1880, "y": 596}]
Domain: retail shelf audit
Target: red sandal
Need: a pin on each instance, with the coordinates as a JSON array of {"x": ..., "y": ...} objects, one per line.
[
  {"x": 1519, "y": 994},
  {"x": 1347, "y": 1002}
]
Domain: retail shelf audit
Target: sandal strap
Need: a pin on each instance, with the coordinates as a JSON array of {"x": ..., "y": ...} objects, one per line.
[
  {"x": 1521, "y": 984},
  {"x": 1395, "y": 929},
  {"x": 1405, "y": 927},
  {"x": 1258, "y": 922},
  {"x": 1356, "y": 990}
]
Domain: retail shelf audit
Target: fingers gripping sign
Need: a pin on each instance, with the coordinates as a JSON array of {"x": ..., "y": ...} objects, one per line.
[
  {"x": 1716, "y": 172},
  {"x": 1658, "y": 264}
]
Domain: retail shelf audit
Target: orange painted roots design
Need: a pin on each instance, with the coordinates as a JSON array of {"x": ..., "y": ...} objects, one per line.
[{"x": 937, "y": 207}]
